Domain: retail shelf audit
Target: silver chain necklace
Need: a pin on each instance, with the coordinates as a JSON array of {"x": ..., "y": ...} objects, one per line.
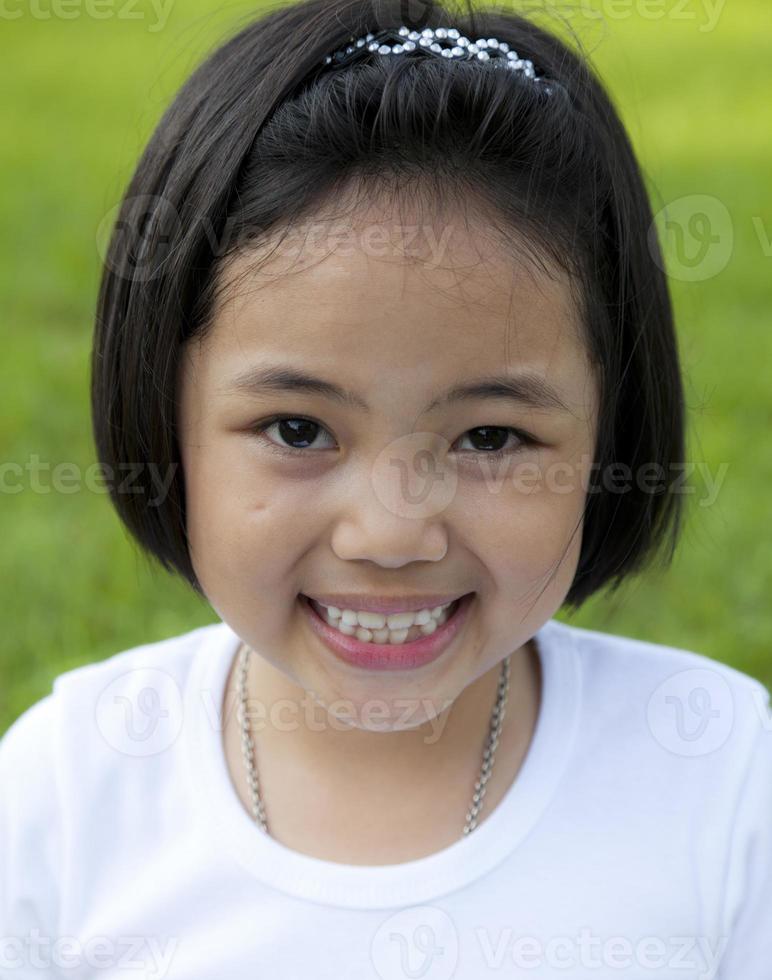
[{"x": 491, "y": 744}]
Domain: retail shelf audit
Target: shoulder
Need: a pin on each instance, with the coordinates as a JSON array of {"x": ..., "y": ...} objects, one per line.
[
  {"x": 688, "y": 740},
  {"x": 646, "y": 655},
  {"x": 94, "y": 751},
  {"x": 131, "y": 704},
  {"x": 173, "y": 656},
  {"x": 687, "y": 724},
  {"x": 162, "y": 667},
  {"x": 621, "y": 672},
  {"x": 97, "y": 718},
  {"x": 31, "y": 838}
]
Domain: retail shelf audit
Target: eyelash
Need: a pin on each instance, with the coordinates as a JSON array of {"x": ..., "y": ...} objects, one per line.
[{"x": 260, "y": 428}]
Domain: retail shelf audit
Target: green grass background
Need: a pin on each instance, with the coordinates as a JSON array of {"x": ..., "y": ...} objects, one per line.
[{"x": 81, "y": 98}]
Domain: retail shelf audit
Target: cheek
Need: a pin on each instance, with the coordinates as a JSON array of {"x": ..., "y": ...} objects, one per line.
[
  {"x": 526, "y": 530},
  {"x": 246, "y": 528}
]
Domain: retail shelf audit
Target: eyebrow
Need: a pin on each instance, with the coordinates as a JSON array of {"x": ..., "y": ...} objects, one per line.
[{"x": 526, "y": 389}]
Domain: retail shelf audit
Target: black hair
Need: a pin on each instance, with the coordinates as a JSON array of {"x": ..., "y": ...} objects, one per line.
[{"x": 259, "y": 137}]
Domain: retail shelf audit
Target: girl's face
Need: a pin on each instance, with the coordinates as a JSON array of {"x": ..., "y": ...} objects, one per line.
[{"x": 392, "y": 491}]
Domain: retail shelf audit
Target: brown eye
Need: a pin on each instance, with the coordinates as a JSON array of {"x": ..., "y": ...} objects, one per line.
[
  {"x": 292, "y": 433},
  {"x": 298, "y": 433},
  {"x": 491, "y": 440}
]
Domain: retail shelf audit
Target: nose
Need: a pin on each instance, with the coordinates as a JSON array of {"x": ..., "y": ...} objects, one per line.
[
  {"x": 394, "y": 509},
  {"x": 372, "y": 532}
]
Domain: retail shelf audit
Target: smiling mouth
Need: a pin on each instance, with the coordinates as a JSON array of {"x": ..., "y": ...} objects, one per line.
[{"x": 384, "y": 635}]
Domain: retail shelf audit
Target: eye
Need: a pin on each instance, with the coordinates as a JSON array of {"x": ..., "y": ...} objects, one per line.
[
  {"x": 297, "y": 434},
  {"x": 296, "y": 431},
  {"x": 491, "y": 436}
]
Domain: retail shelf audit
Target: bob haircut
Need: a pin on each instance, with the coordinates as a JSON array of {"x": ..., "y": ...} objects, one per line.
[{"x": 259, "y": 137}]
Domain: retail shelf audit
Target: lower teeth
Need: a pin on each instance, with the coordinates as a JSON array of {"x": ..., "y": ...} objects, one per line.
[{"x": 385, "y": 636}]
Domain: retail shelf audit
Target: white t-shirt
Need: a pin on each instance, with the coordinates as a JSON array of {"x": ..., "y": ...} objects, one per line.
[{"x": 635, "y": 842}]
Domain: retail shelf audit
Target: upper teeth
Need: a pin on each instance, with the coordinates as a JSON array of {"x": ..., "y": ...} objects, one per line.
[{"x": 377, "y": 621}]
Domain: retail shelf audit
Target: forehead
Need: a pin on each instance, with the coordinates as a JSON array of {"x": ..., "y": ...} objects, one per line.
[{"x": 382, "y": 291}]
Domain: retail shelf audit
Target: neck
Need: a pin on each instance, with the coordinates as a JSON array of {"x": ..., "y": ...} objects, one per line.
[{"x": 365, "y": 776}]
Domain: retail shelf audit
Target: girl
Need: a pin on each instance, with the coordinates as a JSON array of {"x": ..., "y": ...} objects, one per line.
[{"x": 386, "y": 342}]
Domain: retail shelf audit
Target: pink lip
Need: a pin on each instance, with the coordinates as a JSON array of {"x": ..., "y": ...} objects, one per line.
[{"x": 388, "y": 656}]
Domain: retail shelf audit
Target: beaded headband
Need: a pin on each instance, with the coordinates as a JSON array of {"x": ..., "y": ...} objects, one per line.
[{"x": 442, "y": 42}]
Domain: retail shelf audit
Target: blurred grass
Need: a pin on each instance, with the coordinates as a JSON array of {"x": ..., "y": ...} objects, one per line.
[{"x": 82, "y": 97}]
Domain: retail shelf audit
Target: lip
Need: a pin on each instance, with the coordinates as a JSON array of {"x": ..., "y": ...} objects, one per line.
[
  {"x": 389, "y": 656},
  {"x": 383, "y": 603}
]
